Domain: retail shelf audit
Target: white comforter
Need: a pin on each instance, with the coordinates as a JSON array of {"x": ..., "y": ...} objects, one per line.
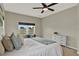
[{"x": 33, "y": 48}]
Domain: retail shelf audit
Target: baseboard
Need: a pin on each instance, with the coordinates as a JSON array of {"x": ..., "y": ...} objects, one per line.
[{"x": 72, "y": 47}]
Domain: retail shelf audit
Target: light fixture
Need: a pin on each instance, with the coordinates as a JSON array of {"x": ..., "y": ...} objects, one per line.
[{"x": 45, "y": 9}]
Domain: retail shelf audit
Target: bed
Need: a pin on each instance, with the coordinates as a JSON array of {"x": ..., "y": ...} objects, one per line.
[{"x": 34, "y": 48}]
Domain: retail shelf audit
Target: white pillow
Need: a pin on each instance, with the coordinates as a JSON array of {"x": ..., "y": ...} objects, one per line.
[{"x": 2, "y": 50}]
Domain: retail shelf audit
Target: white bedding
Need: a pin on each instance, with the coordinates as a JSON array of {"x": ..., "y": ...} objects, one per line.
[
  {"x": 33, "y": 48},
  {"x": 45, "y": 41}
]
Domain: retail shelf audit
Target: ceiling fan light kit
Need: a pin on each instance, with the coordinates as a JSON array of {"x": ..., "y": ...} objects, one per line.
[{"x": 46, "y": 7}]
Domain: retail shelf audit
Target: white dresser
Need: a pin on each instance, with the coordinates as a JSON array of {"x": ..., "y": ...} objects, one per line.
[{"x": 60, "y": 39}]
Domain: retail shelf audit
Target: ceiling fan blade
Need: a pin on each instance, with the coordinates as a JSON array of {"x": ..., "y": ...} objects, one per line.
[
  {"x": 50, "y": 9},
  {"x": 52, "y": 4},
  {"x": 44, "y": 5},
  {"x": 42, "y": 11},
  {"x": 38, "y": 8}
]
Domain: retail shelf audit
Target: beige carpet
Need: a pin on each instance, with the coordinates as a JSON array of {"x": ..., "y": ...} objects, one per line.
[{"x": 69, "y": 52}]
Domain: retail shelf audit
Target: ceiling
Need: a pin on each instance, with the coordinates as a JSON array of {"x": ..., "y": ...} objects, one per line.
[{"x": 26, "y": 8}]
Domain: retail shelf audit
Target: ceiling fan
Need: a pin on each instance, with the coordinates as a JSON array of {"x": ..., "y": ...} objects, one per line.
[{"x": 45, "y": 7}]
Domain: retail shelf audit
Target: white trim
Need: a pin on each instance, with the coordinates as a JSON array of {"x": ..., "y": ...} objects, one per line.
[{"x": 72, "y": 47}]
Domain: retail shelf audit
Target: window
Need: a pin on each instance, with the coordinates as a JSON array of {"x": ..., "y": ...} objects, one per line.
[{"x": 26, "y": 28}]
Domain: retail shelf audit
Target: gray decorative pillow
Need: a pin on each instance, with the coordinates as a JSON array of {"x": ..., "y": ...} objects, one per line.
[
  {"x": 20, "y": 39},
  {"x": 16, "y": 42}
]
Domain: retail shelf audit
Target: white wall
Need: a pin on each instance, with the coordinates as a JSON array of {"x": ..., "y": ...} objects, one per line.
[
  {"x": 78, "y": 29},
  {"x": 12, "y": 19},
  {"x": 64, "y": 22}
]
